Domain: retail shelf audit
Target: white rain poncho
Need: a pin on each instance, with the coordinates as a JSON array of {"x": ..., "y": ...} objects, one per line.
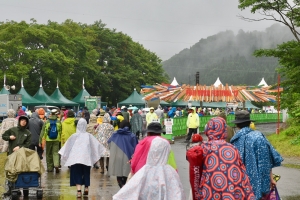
[
  {"x": 156, "y": 180},
  {"x": 81, "y": 148}
]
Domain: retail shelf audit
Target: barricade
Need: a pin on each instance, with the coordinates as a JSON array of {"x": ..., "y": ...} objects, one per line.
[{"x": 179, "y": 124}]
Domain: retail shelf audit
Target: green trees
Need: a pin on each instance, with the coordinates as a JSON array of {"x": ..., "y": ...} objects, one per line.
[
  {"x": 109, "y": 61},
  {"x": 287, "y": 13}
]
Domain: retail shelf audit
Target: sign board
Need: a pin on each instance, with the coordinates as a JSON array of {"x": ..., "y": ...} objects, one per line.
[
  {"x": 168, "y": 122},
  {"x": 168, "y": 129},
  {"x": 156, "y": 120},
  {"x": 15, "y": 97},
  {"x": 92, "y": 102}
]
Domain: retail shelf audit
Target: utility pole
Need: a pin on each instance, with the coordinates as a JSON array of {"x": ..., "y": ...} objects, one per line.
[{"x": 197, "y": 77}]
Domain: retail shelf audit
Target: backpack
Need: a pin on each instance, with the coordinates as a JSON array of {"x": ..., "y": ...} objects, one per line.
[{"x": 52, "y": 131}]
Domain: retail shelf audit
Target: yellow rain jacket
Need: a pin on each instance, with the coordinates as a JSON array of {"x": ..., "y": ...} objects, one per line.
[{"x": 193, "y": 119}]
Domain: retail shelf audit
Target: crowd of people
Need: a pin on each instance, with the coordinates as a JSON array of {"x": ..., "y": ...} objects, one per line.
[{"x": 128, "y": 145}]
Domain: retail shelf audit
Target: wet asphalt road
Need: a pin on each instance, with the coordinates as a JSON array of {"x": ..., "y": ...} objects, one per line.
[{"x": 56, "y": 186}]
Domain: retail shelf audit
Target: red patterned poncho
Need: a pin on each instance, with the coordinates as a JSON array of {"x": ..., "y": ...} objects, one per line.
[{"x": 223, "y": 175}]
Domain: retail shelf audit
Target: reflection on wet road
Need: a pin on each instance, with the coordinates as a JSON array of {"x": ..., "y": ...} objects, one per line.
[{"x": 57, "y": 186}]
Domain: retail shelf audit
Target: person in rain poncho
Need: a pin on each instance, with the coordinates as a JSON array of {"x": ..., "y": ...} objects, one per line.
[
  {"x": 121, "y": 144},
  {"x": 159, "y": 112},
  {"x": 150, "y": 116},
  {"x": 256, "y": 152},
  {"x": 103, "y": 132},
  {"x": 92, "y": 125},
  {"x": 139, "y": 159},
  {"x": 192, "y": 123},
  {"x": 155, "y": 180},
  {"x": 136, "y": 123},
  {"x": 80, "y": 152},
  {"x": 223, "y": 174},
  {"x": 119, "y": 119},
  {"x": 7, "y": 123},
  {"x": 68, "y": 127}
]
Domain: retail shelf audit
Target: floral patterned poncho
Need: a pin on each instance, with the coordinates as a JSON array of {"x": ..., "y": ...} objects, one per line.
[
  {"x": 104, "y": 132},
  {"x": 7, "y": 123}
]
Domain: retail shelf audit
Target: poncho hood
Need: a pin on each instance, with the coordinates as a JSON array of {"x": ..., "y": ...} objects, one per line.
[{"x": 216, "y": 129}]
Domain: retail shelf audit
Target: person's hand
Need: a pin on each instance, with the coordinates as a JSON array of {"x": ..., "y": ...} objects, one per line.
[
  {"x": 16, "y": 148},
  {"x": 12, "y": 137}
]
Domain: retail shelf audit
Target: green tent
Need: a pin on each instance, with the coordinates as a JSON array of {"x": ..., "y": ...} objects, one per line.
[
  {"x": 58, "y": 96},
  {"x": 44, "y": 98},
  {"x": 134, "y": 99},
  {"x": 214, "y": 104},
  {"x": 164, "y": 103},
  {"x": 80, "y": 97},
  {"x": 27, "y": 99},
  {"x": 185, "y": 103},
  {"x": 248, "y": 104},
  {"x": 4, "y": 91}
]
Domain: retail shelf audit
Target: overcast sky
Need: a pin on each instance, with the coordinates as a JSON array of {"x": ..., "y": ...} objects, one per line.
[{"x": 162, "y": 26}]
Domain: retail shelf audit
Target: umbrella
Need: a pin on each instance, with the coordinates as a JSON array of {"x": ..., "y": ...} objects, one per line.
[{"x": 133, "y": 108}]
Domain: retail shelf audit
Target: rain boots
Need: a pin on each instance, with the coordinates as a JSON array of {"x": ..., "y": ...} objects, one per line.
[{"x": 102, "y": 164}]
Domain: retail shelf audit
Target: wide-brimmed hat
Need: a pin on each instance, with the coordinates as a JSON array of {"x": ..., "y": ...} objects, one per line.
[
  {"x": 151, "y": 108},
  {"x": 123, "y": 107},
  {"x": 54, "y": 111},
  {"x": 154, "y": 127},
  {"x": 242, "y": 116}
]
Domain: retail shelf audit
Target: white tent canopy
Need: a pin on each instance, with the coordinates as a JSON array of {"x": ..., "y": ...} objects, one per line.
[
  {"x": 218, "y": 82},
  {"x": 174, "y": 82},
  {"x": 263, "y": 83}
]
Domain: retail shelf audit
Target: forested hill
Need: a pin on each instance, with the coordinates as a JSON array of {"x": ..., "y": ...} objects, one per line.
[{"x": 230, "y": 57}]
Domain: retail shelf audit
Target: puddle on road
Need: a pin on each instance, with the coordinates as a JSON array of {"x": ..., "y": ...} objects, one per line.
[{"x": 57, "y": 186}]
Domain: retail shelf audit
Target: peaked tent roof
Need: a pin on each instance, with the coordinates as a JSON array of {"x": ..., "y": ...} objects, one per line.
[
  {"x": 263, "y": 83},
  {"x": 27, "y": 99},
  {"x": 174, "y": 82},
  {"x": 44, "y": 98},
  {"x": 80, "y": 97},
  {"x": 4, "y": 91},
  {"x": 218, "y": 82},
  {"x": 57, "y": 95},
  {"x": 134, "y": 99}
]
